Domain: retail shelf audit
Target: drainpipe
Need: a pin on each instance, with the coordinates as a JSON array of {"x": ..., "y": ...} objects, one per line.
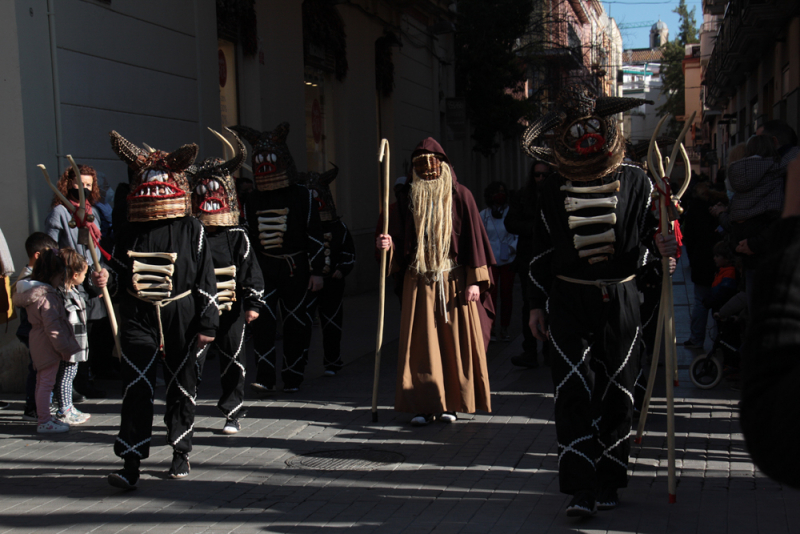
[{"x": 51, "y": 16}]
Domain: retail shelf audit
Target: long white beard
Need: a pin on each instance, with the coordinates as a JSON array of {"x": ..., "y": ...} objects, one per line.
[{"x": 432, "y": 208}]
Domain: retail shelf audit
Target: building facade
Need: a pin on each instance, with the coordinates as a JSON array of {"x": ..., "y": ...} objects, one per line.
[{"x": 752, "y": 72}]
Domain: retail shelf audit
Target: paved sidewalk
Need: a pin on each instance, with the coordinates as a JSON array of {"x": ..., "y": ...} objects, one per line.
[{"x": 484, "y": 474}]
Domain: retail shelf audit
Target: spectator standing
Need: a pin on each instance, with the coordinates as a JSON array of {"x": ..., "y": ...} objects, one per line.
[
  {"x": 57, "y": 226},
  {"x": 699, "y": 236},
  {"x": 758, "y": 184},
  {"x": 504, "y": 247},
  {"x": 521, "y": 220},
  {"x": 75, "y": 306},
  {"x": 51, "y": 338}
]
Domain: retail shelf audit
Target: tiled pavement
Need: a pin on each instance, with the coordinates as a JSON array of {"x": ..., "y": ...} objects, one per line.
[{"x": 483, "y": 474}]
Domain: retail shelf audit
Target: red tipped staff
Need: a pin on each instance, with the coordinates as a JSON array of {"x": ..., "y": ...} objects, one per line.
[
  {"x": 665, "y": 327},
  {"x": 81, "y": 219},
  {"x": 383, "y": 158}
]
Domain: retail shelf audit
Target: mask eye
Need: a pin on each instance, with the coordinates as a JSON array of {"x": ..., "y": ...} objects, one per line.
[
  {"x": 200, "y": 189},
  {"x": 273, "y": 158},
  {"x": 213, "y": 185},
  {"x": 594, "y": 124}
]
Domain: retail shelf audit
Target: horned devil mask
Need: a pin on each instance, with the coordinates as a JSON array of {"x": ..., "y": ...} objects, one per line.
[
  {"x": 214, "y": 199},
  {"x": 585, "y": 142},
  {"x": 273, "y": 165},
  {"x": 320, "y": 187},
  {"x": 159, "y": 189}
]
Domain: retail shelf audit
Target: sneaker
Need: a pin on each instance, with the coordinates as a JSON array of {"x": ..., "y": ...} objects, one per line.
[
  {"x": 448, "y": 417},
  {"x": 77, "y": 397},
  {"x": 73, "y": 416},
  {"x": 127, "y": 477},
  {"x": 180, "y": 467},
  {"x": 607, "y": 499},
  {"x": 52, "y": 427},
  {"x": 582, "y": 505},
  {"x": 421, "y": 419},
  {"x": 689, "y": 344},
  {"x": 504, "y": 335},
  {"x": 4, "y": 405},
  {"x": 329, "y": 372},
  {"x": 261, "y": 389},
  {"x": 232, "y": 426},
  {"x": 526, "y": 359},
  {"x": 29, "y": 414}
]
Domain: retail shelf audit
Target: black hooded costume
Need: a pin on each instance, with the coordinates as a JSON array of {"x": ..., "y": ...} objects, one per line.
[
  {"x": 340, "y": 256},
  {"x": 239, "y": 281},
  {"x": 285, "y": 232},
  {"x": 167, "y": 297},
  {"x": 594, "y": 218}
]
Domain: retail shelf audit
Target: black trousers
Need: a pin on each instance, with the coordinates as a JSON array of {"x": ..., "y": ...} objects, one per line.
[
  {"x": 228, "y": 346},
  {"x": 285, "y": 287},
  {"x": 138, "y": 391},
  {"x": 594, "y": 360},
  {"x": 649, "y": 314},
  {"x": 528, "y": 341},
  {"x": 331, "y": 312}
]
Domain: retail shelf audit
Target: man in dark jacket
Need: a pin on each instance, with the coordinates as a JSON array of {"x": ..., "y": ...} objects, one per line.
[
  {"x": 770, "y": 405},
  {"x": 521, "y": 220}
]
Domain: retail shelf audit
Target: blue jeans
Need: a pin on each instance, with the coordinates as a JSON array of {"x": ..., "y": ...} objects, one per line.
[{"x": 699, "y": 314}]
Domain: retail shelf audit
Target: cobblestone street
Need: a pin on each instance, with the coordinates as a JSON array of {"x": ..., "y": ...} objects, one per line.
[{"x": 483, "y": 474}]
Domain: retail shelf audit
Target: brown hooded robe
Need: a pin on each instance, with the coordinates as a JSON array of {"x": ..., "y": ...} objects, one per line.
[{"x": 441, "y": 366}]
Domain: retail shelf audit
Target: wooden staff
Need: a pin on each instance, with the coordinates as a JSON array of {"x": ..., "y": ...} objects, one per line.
[
  {"x": 666, "y": 314},
  {"x": 79, "y": 216},
  {"x": 383, "y": 158}
]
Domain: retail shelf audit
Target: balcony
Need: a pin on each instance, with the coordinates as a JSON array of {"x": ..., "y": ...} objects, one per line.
[{"x": 748, "y": 28}]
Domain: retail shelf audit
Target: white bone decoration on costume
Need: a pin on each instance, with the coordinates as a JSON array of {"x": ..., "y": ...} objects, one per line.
[
  {"x": 603, "y": 239},
  {"x": 226, "y": 289},
  {"x": 271, "y": 227},
  {"x": 151, "y": 281},
  {"x": 327, "y": 237}
]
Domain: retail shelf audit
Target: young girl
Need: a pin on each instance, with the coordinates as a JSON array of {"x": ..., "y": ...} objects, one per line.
[
  {"x": 76, "y": 268},
  {"x": 51, "y": 338}
]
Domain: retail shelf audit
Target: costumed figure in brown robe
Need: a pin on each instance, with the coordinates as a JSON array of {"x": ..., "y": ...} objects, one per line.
[{"x": 439, "y": 241}]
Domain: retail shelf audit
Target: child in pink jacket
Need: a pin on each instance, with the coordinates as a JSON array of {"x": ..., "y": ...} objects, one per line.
[{"x": 52, "y": 339}]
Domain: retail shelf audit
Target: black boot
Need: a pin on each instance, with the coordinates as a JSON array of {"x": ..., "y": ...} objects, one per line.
[
  {"x": 180, "y": 465},
  {"x": 127, "y": 477}
]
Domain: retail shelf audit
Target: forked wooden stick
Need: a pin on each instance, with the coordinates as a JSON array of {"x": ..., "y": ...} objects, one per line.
[
  {"x": 384, "y": 158},
  {"x": 665, "y": 329}
]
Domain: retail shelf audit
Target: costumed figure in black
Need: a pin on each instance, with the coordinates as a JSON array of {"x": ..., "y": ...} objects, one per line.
[
  {"x": 168, "y": 305},
  {"x": 239, "y": 281},
  {"x": 595, "y": 216},
  {"x": 285, "y": 230},
  {"x": 340, "y": 258}
]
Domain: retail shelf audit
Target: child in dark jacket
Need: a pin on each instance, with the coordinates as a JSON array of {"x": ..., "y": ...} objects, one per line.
[{"x": 51, "y": 337}]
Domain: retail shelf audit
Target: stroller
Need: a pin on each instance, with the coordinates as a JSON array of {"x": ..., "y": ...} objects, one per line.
[{"x": 707, "y": 370}]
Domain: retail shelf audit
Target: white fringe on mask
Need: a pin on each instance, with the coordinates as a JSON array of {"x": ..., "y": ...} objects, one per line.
[{"x": 432, "y": 208}]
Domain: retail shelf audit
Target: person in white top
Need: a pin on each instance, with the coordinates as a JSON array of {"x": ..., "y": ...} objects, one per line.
[{"x": 504, "y": 247}]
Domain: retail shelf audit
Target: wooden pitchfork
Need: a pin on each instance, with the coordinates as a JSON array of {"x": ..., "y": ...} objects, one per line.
[
  {"x": 383, "y": 158},
  {"x": 81, "y": 219},
  {"x": 665, "y": 327}
]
